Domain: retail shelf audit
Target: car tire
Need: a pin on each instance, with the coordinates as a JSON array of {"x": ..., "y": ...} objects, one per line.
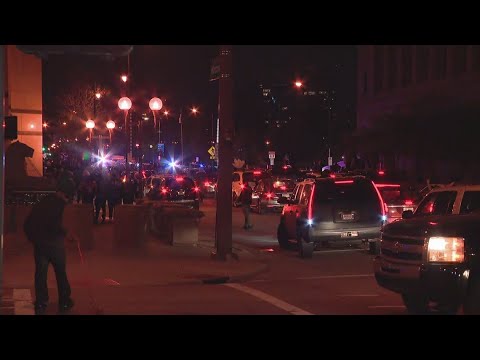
[
  {"x": 471, "y": 305},
  {"x": 305, "y": 250},
  {"x": 416, "y": 303},
  {"x": 282, "y": 237}
]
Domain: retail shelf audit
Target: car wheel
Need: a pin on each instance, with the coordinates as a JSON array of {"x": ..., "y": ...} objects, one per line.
[
  {"x": 415, "y": 303},
  {"x": 282, "y": 237},
  {"x": 305, "y": 250},
  {"x": 471, "y": 306}
]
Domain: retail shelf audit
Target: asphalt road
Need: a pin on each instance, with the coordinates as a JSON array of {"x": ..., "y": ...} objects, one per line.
[{"x": 338, "y": 281}]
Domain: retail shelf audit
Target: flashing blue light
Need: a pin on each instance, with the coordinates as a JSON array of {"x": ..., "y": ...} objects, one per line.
[
  {"x": 310, "y": 222},
  {"x": 202, "y": 166},
  {"x": 384, "y": 217}
]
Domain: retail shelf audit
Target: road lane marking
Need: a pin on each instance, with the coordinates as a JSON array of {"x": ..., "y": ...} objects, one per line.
[
  {"x": 387, "y": 307},
  {"x": 22, "y": 300},
  {"x": 270, "y": 299},
  {"x": 334, "y": 277}
]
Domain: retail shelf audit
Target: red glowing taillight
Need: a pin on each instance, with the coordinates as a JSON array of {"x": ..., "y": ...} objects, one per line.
[
  {"x": 408, "y": 202},
  {"x": 332, "y": 176},
  {"x": 283, "y": 188},
  {"x": 196, "y": 189},
  {"x": 242, "y": 186},
  {"x": 164, "y": 191},
  {"x": 257, "y": 173},
  {"x": 381, "y": 172},
  {"x": 207, "y": 183},
  {"x": 344, "y": 182},
  {"x": 179, "y": 179},
  {"x": 285, "y": 167},
  {"x": 268, "y": 195},
  {"x": 385, "y": 208}
]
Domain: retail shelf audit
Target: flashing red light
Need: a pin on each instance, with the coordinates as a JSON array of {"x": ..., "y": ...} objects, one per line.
[
  {"x": 285, "y": 167},
  {"x": 387, "y": 185},
  {"x": 344, "y": 182},
  {"x": 164, "y": 191},
  {"x": 257, "y": 173},
  {"x": 196, "y": 189},
  {"x": 381, "y": 172},
  {"x": 269, "y": 195},
  {"x": 310, "y": 202},
  {"x": 430, "y": 208},
  {"x": 283, "y": 188},
  {"x": 408, "y": 202},
  {"x": 333, "y": 176},
  {"x": 207, "y": 183},
  {"x": 179, "y": 179},
  {"x": 242, "y": 186}
]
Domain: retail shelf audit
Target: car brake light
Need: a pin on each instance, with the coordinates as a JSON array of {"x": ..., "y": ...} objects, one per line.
[
  {"x": 332, "y": 176},
  {"x": 408, "y": 202},
  {"x": 257, "y": 173},
  {"x": 283, "y": 188},
  {"x": 344, "y": 182},
  {"x": 196, "y": 189},
  {"x": 164, "y": 191},
  {"x": 285, "y": 167},
  {"x": 385, "y": 208},
  {"x": 179, "y": 179},
  {"x": 242, "y": 186},
  {"x": 381, "y": 172},
  {"x": 380, "y": 198},
  {"x": 207, "y": 183}
]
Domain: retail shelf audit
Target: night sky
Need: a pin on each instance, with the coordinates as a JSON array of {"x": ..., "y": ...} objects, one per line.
[{"x": 180, "y": 74}]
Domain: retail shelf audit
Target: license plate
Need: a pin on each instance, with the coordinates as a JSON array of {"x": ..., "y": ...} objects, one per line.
[
  {"x": 347, "y": 216},
  {"x": 349, "y": 234}
]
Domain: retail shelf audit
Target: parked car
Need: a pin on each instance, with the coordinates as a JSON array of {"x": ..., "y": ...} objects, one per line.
[
  {"x": 207, "y": 184},
  {"x": 268, "y": 191},
  {"x": 242, "y": 177},
  {"x": 177, "y": 189},
  {"x": 152, "y": 182},
  {"x": 397, "y": 200},
  {"x": 432, "y": 254},
  {"x": 328, "y": 211}
]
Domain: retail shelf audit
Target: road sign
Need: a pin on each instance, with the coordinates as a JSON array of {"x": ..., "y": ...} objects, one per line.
[
  {"x": 212, "y": 157},
  {"x": 271, "y": 154},
  {"x": 272, "y": 161},
  {"x": 211, "y": 151}
]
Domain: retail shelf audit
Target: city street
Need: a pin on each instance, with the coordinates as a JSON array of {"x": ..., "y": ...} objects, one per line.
[{"x": 336, "y": 281}]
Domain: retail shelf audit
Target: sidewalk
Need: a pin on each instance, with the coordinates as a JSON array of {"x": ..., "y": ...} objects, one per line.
[{"x": 157, "y": 264}]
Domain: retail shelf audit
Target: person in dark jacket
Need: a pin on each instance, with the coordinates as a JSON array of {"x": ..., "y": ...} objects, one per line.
[
  {"x": 114, "y": 195},
  {"x": 129, "y": 188},
  {"x": 245, "y": 199},
  {"x": 43, "y": 227}
]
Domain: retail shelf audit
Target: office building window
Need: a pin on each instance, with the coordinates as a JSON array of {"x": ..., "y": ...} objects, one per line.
[
  {"x": 422, "y": 63},
  {"x": 406, "y": 65},
  {"x": 392, "y": 66},
  {"x": 459, "y": 59},
  {"x": 378, "y": 64},
  {"x": 476, "y": 57},
  {"x": 440, "y": 62}
]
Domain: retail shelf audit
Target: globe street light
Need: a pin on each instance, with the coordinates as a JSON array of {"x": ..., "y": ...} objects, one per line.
[
  {"x": 98, "y": 95},
  {"x": 155, "y": 105},
  {"x": 110, "y": 127},
  {"x": 125, "y": 104},
  {"x": 90, "y": 124},
  {"x": 124, "y": 78},
  {"x": 298, "y": 84}
]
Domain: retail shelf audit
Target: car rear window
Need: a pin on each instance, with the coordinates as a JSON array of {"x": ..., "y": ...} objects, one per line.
[
  {"x": 350, "y": 191},
  {"x": 470, "y": 202},
  {"x": 174, "y": 183}
]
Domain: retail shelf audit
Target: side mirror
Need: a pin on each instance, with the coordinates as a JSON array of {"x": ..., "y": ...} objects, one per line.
[
  {"x": 283, "y": 200},
  {"x": 407, "y": 214}
]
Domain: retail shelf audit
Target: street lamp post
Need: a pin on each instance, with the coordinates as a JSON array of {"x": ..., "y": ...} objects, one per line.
[
  {"x": 110, "y": 127},
  {"x": 155, "y": 105},
  {"x": 125, "y": 104},
  {"x": 194, "y": 111}
]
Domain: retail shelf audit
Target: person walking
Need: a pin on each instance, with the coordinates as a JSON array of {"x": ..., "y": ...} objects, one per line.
[
  {"x": 129, "y": 189},
  {"x": 43, "y": 227},
  {"x": 114, "y": 195},
  {"x": 245, "y": 200}
]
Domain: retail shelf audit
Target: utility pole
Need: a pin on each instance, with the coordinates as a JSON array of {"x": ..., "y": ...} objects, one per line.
[{"x": 223, "y": 227}]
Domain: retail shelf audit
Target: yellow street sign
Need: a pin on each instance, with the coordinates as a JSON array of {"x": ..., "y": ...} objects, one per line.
[{"x": 211, "y": 151}]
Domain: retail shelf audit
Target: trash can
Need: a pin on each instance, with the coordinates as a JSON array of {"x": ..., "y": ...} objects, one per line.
[{"x": 130, "y": 227}]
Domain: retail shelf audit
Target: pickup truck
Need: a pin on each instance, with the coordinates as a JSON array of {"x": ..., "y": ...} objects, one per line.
[{"x": 432, "y": 255}]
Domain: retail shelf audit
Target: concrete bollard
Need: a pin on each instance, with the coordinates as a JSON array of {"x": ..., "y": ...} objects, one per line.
[
  {"x": 78, "y": 220},
  {"x": 129, "y": 229}
]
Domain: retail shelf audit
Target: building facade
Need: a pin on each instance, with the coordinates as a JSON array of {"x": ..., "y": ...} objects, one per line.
[{"x": 416, "y": 108}]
